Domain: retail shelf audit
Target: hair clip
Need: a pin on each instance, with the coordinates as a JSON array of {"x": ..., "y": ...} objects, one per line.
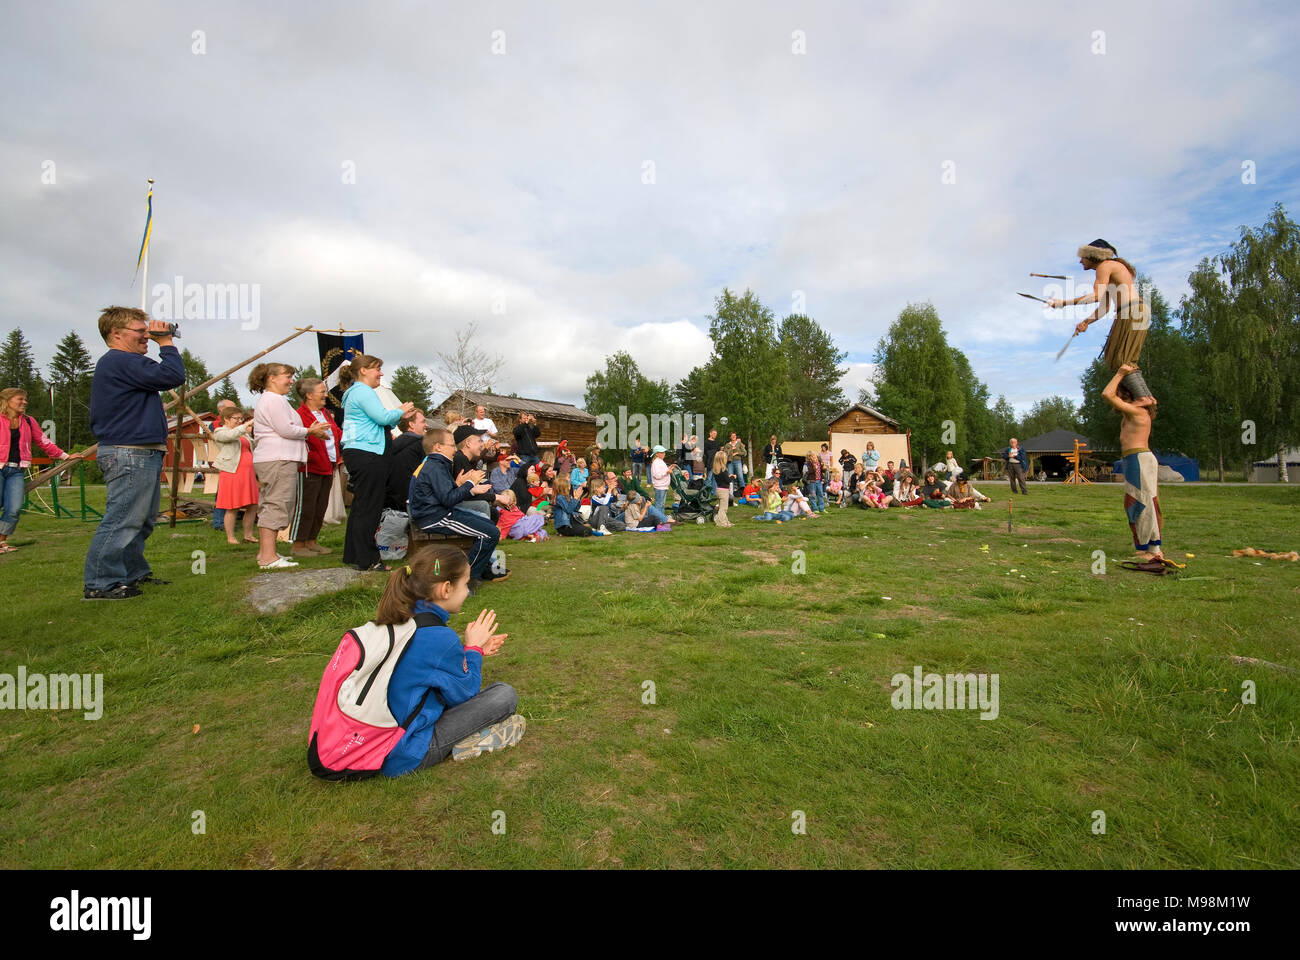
[
  {"x": 408, "y": 569},
  {"x": 437, "y": 564}
]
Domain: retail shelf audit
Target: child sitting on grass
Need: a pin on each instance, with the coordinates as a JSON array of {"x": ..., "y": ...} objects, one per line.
[
  {"x": 568, "y": 523},
  {"x": 907, "y": 494},
  {"x": 437, "y": 678},
  {"x": 836, "y": 487},
  {"x": 797, "y": 505},
  {"x": 752, "y": 495},
  {"x": 604, "y": 514},
  {"x": 772, "y": 502},
  {"x": 515, "y": 524},
  {"x": 934, "y": 493}
]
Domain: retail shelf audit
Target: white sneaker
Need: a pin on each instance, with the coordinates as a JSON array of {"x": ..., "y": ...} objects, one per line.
[
  {"x": 603, "y": 532},
  {"x": 978, "y": 507}
]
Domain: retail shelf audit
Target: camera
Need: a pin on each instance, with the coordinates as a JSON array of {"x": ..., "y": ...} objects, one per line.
[{"x": 173, "y": 329}]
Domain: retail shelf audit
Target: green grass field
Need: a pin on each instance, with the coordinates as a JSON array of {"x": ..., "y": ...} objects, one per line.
[{"x": 772, "y": 690}]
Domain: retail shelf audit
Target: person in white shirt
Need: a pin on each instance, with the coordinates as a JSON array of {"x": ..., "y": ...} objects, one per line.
[
  {"x": 483, "y": 422},
  {"x": 951, "y": 468}
]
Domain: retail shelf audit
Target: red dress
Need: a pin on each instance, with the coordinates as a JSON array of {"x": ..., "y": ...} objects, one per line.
[{"x": 238, "y": 489}]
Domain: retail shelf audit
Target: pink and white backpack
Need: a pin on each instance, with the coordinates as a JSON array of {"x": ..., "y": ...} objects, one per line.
[{"x": 352, "y": 728}]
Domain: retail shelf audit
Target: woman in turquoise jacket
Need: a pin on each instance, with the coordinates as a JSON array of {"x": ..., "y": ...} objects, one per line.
[{"x": 366, "y": 426}]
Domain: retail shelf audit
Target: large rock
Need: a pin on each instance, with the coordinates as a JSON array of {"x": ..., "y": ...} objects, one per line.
[{"x": 279, "y": 590}]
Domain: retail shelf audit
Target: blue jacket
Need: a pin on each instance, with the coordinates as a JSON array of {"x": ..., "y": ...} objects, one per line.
[
  {"x": 433, "y": 492},
  {"x": 435, "y": 672},
  {"x": 1021, "y": 458},
  {"x": 565, "y": 509},
  {"x": 365, "y": 419},
  {"x": 124, "y": 402}
]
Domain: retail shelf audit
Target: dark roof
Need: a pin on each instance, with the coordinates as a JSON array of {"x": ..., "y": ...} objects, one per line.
[
  {"x": 494, "y": 401},
  {"x": 1055, "y": 441},
  {"x": 866, "y": 409}
]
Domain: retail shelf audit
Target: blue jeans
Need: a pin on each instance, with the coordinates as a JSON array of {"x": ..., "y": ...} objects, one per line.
[
  {"x": 661, "y": 500},
  {"x": 116, "y": 553},
  {"x": 470, "y": 524},
  {"x": 737, "y": 469},
  {"x": 778, "y": 515},
  {"x": 11, "y": 496},
  {"x": 817, "y": 496},
  {"x": 218, "y": 518},
  {"x": 490, "y": 705},
  {"x": 638, "y": 470}
]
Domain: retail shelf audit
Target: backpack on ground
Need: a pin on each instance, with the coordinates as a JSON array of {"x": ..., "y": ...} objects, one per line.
[{"x": 352, "y": 727}]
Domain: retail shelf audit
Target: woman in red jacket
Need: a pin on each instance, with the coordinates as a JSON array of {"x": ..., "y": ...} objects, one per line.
[
  {"x": 17, "y": 431},
  {"x": 323, "y": 458}
]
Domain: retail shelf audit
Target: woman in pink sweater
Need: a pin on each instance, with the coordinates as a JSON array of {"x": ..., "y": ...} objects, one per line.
[
  {"x": 278, "y": 458},
  {"x": 17, "y": 431}
]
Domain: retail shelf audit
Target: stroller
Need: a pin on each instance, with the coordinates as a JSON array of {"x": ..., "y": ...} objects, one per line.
[{"x": 693, "y": 503}]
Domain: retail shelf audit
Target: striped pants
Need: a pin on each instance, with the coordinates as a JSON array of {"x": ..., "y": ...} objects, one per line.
[{"x": 467, "y": 523}]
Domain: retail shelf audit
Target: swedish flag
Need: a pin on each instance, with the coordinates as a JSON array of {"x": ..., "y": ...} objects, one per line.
[{"x": 148, "y": 228}]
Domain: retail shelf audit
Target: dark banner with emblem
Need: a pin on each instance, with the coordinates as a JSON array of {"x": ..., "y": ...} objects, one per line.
[{"x": 334, "y": 349}]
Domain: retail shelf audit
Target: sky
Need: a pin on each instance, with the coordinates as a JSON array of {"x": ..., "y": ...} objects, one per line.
[{"x": 581, "y": 178}]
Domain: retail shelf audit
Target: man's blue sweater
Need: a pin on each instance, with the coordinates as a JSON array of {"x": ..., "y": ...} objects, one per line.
[{"x": 124, "y": 404}]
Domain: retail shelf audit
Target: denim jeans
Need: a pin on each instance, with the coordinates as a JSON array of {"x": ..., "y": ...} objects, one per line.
[
  {"x": 638, "y": 470},
  {"x": 817, "y": 496},
  {"x": 218, "y": 518},
  {"x": 116, "y": 553},
  {"x": 470, "y": 524},
  {"x": 11, "y": 496},
  {"x": 490, "y": 705},
  {"x": 661, "y": 499},
  {"x": 478, "y": 506},
  {"x": 737, "y": 469}
]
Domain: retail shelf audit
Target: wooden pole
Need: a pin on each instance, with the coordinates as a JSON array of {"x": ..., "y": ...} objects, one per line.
[
  {"x": 46, "y": 475},
  {"x": 177, "y": 449}
]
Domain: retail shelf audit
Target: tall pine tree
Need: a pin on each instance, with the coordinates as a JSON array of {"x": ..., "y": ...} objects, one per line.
[
  {"x": 813, "y": 367},
  {"x": 916, "y": 380},
  {"x": 71, "y": 372},
  {"x": 18, "y": 369},
  {"x": 749, "y": 368}
]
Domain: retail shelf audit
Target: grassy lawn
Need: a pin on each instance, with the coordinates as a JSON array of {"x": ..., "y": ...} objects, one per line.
[{"x": 772, "y": 689}]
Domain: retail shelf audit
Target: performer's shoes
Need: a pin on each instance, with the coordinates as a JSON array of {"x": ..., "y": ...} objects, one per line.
[{"x": 1146, "y": 566}]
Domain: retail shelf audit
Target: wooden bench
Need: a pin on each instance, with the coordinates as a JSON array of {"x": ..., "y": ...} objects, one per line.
[{"x": 417, "y": 540}]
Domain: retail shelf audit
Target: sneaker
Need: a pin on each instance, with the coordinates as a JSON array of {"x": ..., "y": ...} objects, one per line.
[
  {"x": 504, "y": 734},
  {"x": 604, "y": 532},
  {"x": 978, "y": 507},
  {"x": 490, "y": 577},
  {"x": 122, "y": 591}
]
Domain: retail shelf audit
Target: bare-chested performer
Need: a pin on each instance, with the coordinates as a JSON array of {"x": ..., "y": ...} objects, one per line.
[
  {"x": 1141, "y": 502},
  {"x": 1116, "y": 286}
]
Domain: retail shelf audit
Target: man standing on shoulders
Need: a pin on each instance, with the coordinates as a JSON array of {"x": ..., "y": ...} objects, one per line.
[
  {"x": 1017, "y": 465},
  {"x": 1141, "y": 497},
  {"x": 127, "y": 418}
]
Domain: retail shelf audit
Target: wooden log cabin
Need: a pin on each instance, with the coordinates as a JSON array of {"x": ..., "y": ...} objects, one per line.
[{"x": 558, "y": 421}]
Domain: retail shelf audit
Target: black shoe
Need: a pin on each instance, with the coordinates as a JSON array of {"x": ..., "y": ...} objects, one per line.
[
  {"x": 490, "y": 577},
  {"x": 156, "y": 581},
  {"x": 122, "y": 591}
]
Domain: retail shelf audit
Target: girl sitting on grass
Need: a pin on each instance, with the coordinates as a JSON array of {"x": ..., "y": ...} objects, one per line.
[
  {"x": 515, "y": 524},
  {"x": 907, "y": 493},
  {"x": 933, "y": 492},
  {"x": 836, "y": 487},
  {"x": 567, "y": 521},
  {"x": 797, "y": 505},
  {"x": 604, "y": 514},
  {"x": 772, "y": 502},
  {"x": 437, "y": 674}
]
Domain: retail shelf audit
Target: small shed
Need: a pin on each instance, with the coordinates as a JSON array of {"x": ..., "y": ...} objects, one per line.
[
  {"x": 1051, "y": 450},
  {"x": 859, "y": 425},
  {"x": 558, "y": 421}
]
